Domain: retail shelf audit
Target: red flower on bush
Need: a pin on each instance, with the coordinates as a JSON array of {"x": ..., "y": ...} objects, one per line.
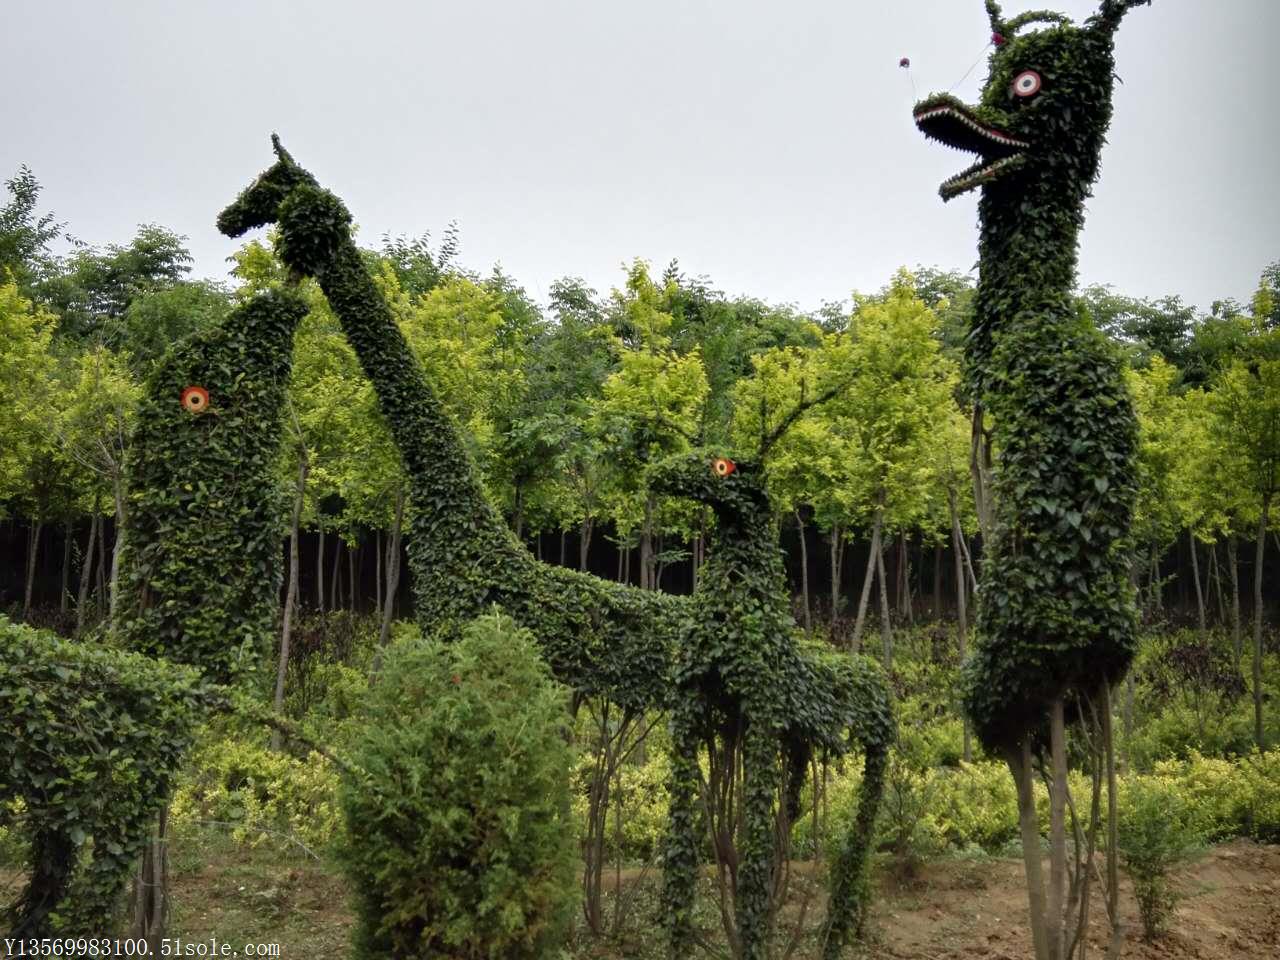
[{"x": 997, "y": 39}]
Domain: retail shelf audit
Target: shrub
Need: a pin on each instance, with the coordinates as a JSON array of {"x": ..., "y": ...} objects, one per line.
[
  {"x": 459, "y": 842},
  {"x": 265, "y": 796},
  {"x": 1157, "y": 829}
]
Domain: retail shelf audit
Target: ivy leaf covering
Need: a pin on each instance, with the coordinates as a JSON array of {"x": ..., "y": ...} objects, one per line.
[
  {"x": 1056, "y": 612},
  {"x": 201, "y": 559},
  {"x": 94, "y": 738}
]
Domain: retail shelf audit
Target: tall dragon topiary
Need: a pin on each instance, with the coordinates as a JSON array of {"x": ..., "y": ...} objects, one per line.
[
  {"x": 1056, "y": 621},
  {"x": 745, "y": 688},
  {"x": 600, "y": 637}
]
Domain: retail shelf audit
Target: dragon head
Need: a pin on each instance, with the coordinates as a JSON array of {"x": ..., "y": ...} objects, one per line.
[
  {"x": 1044, "y": 109},
  {"x": 259, "y": 204}
]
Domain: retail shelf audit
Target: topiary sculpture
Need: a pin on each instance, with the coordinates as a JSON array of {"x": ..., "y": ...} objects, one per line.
[
  {"x": 1056, "y": 611},
  {"x": 96, "y": 737},
  {"x": 744, "y": 687},
  {"x": 599, "y": 637},
  {"x": 201, "y": 566},
  {"x": 1056, "y": 619}
]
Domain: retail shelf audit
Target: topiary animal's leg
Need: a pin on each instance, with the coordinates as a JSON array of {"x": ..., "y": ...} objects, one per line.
[
  {"x": 850, "y": 881},
  {"x": 760, "y": 791},
  {"x": 680, "y": 857},
  {"x": 53, "y": 858}
]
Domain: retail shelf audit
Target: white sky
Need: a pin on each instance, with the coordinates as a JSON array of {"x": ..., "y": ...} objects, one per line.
[{"x": 767, "y": 145}]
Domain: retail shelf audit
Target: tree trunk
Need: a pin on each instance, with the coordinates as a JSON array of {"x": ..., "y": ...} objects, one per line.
[
  {"x": 584, "y": 541},
  {"x": 319, "y": 568},
  {"x": 1258, "y": 557},
  {"x": 393, "y": 571},
  {"x": 122, "y": 531},
  {"x": 1195, "y": 575},
  {"x": 962, "y": 607},
  {"x": 980, "y": 471},
  {"x": 102, "y": 568},
  {"x": 646, "y": 546},
  {"x": 937, "y": 580},
  {"x": 335, "y": 578},
  {"x": 66, "y": 568},
  {"x": 291, "y": 595},
  {"x": 33, "y": 552},
  {"x": 353, "y": 574},
  {"x": 151, "y": 888},
  {"x": 1215, "y": 583},
  {"x": 1057, "y": 829},
  {"x": 1021, "y": 768},
  {"x": 86, "y": 568},
  {"x": 564, "y": 535},
  {"x": 1233, "y": 562},
  {"x": 836, "y": 554},
  {"x": 377, "y": 563},
  {"x": 855, "y": 643},
  {"x": 804, "y": 573},
  {"x": 517, "y": 518},
  {"x": 886, "y": 630}
]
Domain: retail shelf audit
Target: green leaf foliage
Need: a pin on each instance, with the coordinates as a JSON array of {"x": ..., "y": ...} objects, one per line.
[
  {"x": 460, "y": 841},
  {"x": 93, "y": 740}
]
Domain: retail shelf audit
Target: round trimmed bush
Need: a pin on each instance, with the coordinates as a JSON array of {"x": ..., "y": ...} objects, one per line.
[{"x": 459, "y": 840}]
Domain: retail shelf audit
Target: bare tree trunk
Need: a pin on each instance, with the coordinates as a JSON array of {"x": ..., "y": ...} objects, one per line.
[
  {"x": 66, "y": 568},
  {"x": 1215, "y": 583},
  {"x": 151, "y": 888},
  {"x": 835, "y": 572},
  {"x": 335, "y": 578},
  {"x": 102, "y": 567},
  {"x": 33, "y": 552},
  {"x": 1195, "y": 575},
  {"x": 1258, "y": 557},
  {"x": 1019, "y": 762},
  {"x": 962, "y": 607},
  {"x": 319, "y": 567},
  {"x": 291, "y": 595},
  {"x": 855, "y": 643},
  {"x": 122, "y": 531},
  {"x": 804, "y": 573},
  {"x": 937, "y": 580},
  {"x": 585, "y": 530},
  {"x": 1113, "y": 849},
  {"x": 1057, "y": 829},
  {"x": 646, "y": 546},
  {"x": 377, "y": 563},
  {"x": 86, "y": 568},
  {"x": 353, "y": 573},
  {"x": 1233, "y": 562},
  {"x": 980, "y": 471},
  {"x": 886, "y": 630},
  {"x": 393, "y": 572}
]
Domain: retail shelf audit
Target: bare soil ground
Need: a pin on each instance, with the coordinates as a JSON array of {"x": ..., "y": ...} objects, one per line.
[{"x": 954, "y": 910}]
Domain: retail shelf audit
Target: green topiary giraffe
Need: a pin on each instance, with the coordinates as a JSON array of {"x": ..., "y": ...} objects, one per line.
[
  {"x": 599, "y": 637},
  {"x": 745, "y": 687}
]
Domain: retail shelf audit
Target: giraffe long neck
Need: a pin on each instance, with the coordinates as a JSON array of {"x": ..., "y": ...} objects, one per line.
[{"x": 443, "y": 478}]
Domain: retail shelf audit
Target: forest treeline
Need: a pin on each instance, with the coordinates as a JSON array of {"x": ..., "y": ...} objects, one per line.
[{"x": 564, "y": 404}]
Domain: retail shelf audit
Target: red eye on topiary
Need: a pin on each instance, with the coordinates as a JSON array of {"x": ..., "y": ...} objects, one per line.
[
  {"x": 1026, "y": 84},
  {"x": 723, "y": 466},
  {"x": 195, "y": 399}
]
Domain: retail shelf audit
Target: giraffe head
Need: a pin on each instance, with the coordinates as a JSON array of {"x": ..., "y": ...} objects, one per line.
[
  {"x": 1044, "y": 109},
  {"x": 259, "y": 204}
]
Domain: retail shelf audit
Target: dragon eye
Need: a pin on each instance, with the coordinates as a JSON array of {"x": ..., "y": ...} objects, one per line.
[
  {"x": 195, "y": 399},
  {"x": 723, "y": 466},
  {"x": 1026, "y": 84}
]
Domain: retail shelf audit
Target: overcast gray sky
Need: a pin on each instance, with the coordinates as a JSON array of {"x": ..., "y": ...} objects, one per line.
[{"x": 767, "y": 145}]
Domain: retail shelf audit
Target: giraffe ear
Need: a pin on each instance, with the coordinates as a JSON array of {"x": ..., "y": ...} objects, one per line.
[{"x": 280, "y": 151}]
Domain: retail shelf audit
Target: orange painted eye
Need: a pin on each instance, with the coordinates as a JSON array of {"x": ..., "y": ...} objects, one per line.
[
  {"x": 195, "y": 399},
  {"x": 723, "y": 466}
]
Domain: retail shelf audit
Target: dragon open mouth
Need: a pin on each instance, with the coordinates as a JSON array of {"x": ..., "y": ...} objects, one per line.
[{"x": 951, "y": 124}]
